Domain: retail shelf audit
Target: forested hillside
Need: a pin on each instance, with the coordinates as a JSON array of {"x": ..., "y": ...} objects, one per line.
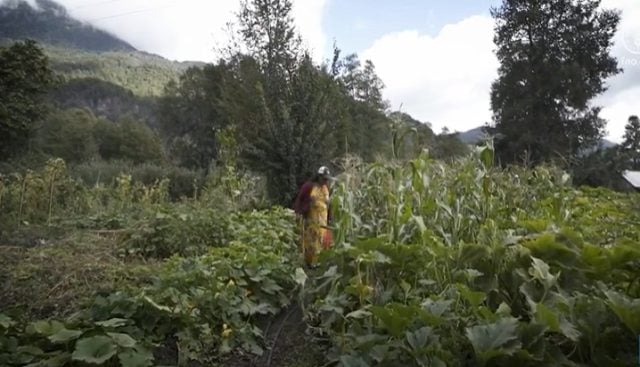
[
  {"x": 142, "y": 73},
  {"x": 79, "y": 50},
  {"x": 50, "y": 23}
]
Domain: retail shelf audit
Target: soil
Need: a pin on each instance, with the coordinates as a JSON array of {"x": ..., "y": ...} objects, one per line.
[{"x": 287, "y": 345}]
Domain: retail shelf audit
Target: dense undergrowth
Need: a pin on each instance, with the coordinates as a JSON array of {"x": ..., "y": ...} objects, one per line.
[
  {"x": 433, "y": 264},
  {"x": 474, "y": 266}
]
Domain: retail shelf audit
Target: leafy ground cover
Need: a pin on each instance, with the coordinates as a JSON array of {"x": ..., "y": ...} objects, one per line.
[
  {"x": 478, "y": 266},
  {"x": 434, "y": 264}
]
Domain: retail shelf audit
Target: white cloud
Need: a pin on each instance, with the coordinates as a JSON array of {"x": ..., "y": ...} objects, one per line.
[
  {"x": 446, "y": 79},
  {"x": 185, "y": 29},
  {"x": 308, "y": 15},
  {"x": 621, "y": 100}
]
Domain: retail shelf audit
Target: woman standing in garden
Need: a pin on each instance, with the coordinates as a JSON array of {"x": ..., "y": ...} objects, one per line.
[{"x": 312, "y": 206}]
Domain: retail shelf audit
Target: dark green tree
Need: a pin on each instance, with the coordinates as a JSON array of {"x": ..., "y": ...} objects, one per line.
[
  {"x": 286, "y": 113},
  {"x": 129, "y": 140},
  {"x": 365, "y": 131},
  {"x": 191, "y": 113},
  {"x": 270, "y": 37},
  {"x": 25, "y": 78},
  {"x": 631, "y": 143},
  {"x": 554, "y": 58},
  {"x": 600, "y": 168},
  {"x": 448, "y": 145},
  {"x": 68, "y": 135}
]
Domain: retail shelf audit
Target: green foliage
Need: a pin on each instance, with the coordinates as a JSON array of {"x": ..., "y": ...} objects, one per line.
[
  {"x": 53, "y": 343},
  {"x": 104, "y": 99},
  {"x": 68, "y": 135},
  {"x": 207, "y": 305},
  {"x": 631, "y": 144},
  {"x": 555, "y": 58},
  {"x": 285, "y": 136},
  {"x": 191, "y": 115},
  {"x": 431, "y": 268},
  {"x": 51, "y": 194},
  {"x": 128, "y": 139},
  {"x": 24, "y": 79},
  {"x": 77, "y": 136},
  {"x": 144, "y": 74},
  {"x": 191, "y": 231}
]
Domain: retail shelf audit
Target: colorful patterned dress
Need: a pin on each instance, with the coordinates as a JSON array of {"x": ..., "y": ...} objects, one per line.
[{"x": 315, "y": 223}]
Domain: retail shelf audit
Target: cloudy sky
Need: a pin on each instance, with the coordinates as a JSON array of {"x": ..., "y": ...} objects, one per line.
[{"x": 435, "y": 57}]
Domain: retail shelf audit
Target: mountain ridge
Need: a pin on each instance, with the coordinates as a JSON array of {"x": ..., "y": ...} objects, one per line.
[
  {"x": 77, "y": 50},
  {"x": 476, "y": 135},
  {"x": 50, "y": 23}
]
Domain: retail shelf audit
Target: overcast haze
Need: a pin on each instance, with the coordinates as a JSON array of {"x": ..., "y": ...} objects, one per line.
[{"x": 435, "y": 57}]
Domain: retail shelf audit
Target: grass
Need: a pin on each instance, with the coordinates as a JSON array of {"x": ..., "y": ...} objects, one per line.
[{"x": 57, "y": 275}]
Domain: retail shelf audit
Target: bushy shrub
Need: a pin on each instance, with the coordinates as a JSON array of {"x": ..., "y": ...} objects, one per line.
[
  {"x": 187, "y": 231},
  {"x": 183, "y": 182},
  {"x": 100, "y": 172},
  {"x": 128, "y": 139},
  {"x": 68, "y": 135}
]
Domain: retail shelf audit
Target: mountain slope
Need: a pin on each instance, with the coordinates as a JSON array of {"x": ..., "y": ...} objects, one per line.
[
  {"x": 472, "y": 136},
  {"x": 50, "y": 23},
  {"x": 142, "y": 73},
  {"x": 104, "y": 99},
  {"x": 77, "y": 50},
  {"x": 477, "y": 135}
]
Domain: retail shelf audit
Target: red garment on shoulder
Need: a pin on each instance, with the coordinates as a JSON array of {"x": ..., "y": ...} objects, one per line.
[{"x": 303, "y": 200}]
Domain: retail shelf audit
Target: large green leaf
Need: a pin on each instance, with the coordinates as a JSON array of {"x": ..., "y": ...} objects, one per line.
[
  {"x": 5, "y": 321},
  {"x": 59, "y": 360},
  {"x": 112, "y": 323},
  {"x": 358, "y": 314},
  {"x": 123, "y": 340},
  {"x": 65, "y": 335},
  {"x": 627, "y": 310},
  {"x": 494, "y": 339},
  {"x": 549, "y": 248},
  {"x": 46, "y": 328},
  {"x": 540, "y": 270},
  {"x": 300, "y": 277},
  {"x": 396, "y": 318},
  {"x": 135, "y": 358},
  {"x": 437, "y": 307},
  {"x": 96, "y": 349},
  {"x": 420, "y": 338},
  {"x": 547, "y": 317},
  {"x": 473, "y": 297},
  {"x": 351, "y": 361}
]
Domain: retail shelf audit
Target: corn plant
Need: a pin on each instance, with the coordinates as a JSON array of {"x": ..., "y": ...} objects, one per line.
[{"x": 468, "y": 264}]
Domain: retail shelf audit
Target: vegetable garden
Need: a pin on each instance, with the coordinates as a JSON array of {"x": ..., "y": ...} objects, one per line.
[{"x": 434, "y": 264}]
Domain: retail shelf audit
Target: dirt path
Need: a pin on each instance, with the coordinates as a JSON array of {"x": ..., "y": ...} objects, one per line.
[{"x": 287, "y": 344}]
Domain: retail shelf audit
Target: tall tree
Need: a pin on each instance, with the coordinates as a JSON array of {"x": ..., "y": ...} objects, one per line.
[
  {"x": 554, "y": 57},
  {"x": 286, "y": 111},
  {"x": 631, "y": 143},
  {"x": 68, "y": 134},
  {"x": 191, "y": 114},
  {"x": 270, "y": 37},
  {"x": 366, "y": 130},
  {"x": 25, "y": 78}
]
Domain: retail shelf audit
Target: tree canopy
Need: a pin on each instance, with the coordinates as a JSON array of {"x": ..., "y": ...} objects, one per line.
[
  {"x": 25, "y": 78},
  {"x": 554, "y": 58}
]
